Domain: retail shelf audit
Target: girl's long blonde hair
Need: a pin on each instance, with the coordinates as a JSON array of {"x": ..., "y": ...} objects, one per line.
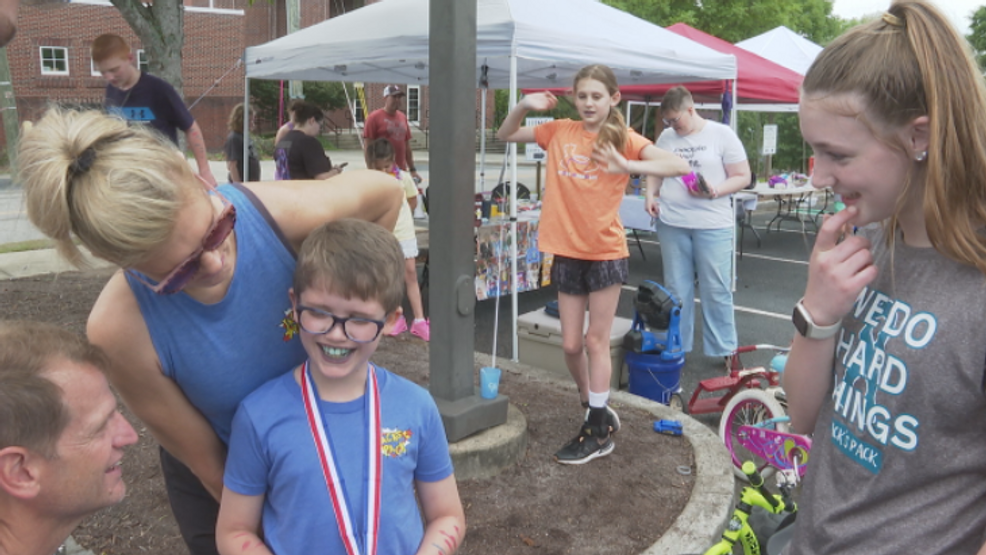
[
  {"x": 912, "y": 63},
  {"x": 614, "y": 130}
]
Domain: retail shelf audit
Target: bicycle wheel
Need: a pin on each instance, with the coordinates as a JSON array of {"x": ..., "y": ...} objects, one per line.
[{"x": 749, "y": 407}]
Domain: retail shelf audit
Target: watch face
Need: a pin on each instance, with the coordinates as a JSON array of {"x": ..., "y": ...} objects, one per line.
[{"x": 800, "y": 322}]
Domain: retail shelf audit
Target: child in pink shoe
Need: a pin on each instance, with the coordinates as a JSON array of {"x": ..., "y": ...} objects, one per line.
[{"x": 380, "y": 157}]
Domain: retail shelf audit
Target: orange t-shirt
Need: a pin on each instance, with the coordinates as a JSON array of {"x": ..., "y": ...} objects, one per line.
[{"x": 580, "y": 214}]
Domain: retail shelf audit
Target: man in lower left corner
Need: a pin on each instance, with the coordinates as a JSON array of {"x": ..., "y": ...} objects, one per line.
[{"x": 61, "y": 436}]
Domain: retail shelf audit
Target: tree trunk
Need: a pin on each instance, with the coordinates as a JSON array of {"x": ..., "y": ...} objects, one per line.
[{"x": 161, "y": 28}]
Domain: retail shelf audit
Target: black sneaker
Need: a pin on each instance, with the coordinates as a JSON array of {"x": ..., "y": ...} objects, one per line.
[
  {"x": 585, "y": 447},
  {"x": 612, "y": 419}
]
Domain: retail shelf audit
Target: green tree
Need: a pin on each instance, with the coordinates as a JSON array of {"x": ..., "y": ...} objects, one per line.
[
  {"x": 161, "y": 28},
  {"x": 977, "y": 38},
  {"x": 265, "y": 96},
  {"x": 735, "y": 20}
]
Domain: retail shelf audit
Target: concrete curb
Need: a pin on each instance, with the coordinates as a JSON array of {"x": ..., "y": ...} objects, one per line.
[
  {"x": 485, "y": 454},
  {"x": 701, "y": 523}
]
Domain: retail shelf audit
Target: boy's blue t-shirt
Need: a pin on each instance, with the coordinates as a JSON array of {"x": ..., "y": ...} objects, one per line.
[{"x": 272, "y": 453}]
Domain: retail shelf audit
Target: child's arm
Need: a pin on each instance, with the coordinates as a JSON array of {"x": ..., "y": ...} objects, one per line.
[
  {"x": 653, "y": 161},
  {"x": 511, "y": 131},
  {"x": 445, "y": 521},
  {"x": 837, "y": 273},
  {"x": 239, "y": 523}
]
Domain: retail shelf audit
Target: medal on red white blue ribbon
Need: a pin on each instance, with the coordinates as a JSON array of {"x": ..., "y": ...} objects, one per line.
[{"x": 331, "y": 473}]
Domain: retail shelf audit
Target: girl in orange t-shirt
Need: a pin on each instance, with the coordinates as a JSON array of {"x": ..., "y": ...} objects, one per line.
[{"x": 586, "y": 174}]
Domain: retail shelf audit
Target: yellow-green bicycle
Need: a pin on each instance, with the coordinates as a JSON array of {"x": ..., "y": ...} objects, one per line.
[{"x": 754, "y": 495}]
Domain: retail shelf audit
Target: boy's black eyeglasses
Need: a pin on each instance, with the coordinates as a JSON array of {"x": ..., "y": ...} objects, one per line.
[{"x": 320, "y": 322}]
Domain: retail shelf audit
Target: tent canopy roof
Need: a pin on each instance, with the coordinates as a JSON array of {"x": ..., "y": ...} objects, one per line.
[
  {"x": 760, "y": 81},
  {"x": 387, "y": 42},
  {"x": 783, "y": 47}
]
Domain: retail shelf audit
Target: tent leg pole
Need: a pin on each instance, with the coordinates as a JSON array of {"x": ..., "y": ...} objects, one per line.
[
  {"x": 246, "y": 128},
  {"x": 513, "y": 216}
]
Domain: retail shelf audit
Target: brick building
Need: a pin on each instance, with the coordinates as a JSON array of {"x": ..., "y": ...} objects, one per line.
[{"x": 50, "y": 61}]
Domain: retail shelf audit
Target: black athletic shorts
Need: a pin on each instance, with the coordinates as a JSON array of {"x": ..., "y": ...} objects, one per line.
[{"x": 581, "y": 277}]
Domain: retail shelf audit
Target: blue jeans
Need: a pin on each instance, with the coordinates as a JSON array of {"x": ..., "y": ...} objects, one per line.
[{"x": 707, "y": 252}]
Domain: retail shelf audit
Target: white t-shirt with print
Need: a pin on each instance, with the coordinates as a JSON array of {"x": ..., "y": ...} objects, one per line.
[{"x": 708, "y": 152}]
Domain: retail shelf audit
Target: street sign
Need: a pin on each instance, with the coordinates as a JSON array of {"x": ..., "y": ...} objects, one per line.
[
  {"x": 532, "y": 151},
  {"x": 770, "y": 139}
]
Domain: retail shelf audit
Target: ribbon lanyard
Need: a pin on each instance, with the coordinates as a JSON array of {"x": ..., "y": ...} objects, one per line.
[{"x": 331, "y": 474}]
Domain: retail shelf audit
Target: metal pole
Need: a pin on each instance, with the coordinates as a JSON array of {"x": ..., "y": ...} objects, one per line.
[
  {"x": 452, "y": 47},
  {"x": 513, "y": 216},
  {"x": 246, "y": 126},
  {"x": 482, "y": 143},
  {"x": 11, "y": 123}
]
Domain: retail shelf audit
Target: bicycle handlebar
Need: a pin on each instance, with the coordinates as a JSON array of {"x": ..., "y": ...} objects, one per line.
[{"x": 756, "y": 482}]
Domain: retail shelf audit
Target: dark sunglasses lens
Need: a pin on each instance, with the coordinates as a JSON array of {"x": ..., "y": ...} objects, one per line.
[
  {"x": 222, "y": 230},
  {"x": 180, "y": 278}
]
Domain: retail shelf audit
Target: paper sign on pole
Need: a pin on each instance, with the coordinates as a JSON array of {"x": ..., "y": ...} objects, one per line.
[
  {"x": 770, "y": 139},
  {"x": 532, "y": 151}
]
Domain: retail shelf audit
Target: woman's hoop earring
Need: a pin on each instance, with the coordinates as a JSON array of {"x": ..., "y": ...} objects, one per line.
[{"x": 921, "y": 156}]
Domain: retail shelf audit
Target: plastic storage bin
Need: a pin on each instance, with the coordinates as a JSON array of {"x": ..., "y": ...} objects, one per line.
[{"x": 539, "y": 339}]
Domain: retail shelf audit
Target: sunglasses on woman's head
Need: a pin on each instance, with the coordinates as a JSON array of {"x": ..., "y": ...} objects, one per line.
[{"x": 177, "y": 279}]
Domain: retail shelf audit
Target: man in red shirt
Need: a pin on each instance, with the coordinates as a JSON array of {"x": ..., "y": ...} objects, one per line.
[{"x": 390, "y": 123}]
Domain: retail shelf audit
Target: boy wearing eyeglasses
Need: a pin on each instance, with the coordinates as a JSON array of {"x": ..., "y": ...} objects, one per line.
[{"x": 328, "y": 456}]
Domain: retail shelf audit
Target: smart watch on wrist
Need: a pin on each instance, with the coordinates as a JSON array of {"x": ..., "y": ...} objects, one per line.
[{"x": 807, "y": 327}]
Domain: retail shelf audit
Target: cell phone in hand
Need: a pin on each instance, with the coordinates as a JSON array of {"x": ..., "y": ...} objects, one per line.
[
  {"x": 702, "y": 184},
  {"x": 342, "y": 165}
]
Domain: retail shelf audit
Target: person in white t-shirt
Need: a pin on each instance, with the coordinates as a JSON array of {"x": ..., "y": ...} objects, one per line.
[{"x": 695, "y": 226}]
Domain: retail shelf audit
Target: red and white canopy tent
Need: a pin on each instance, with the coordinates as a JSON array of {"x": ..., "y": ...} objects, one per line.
[{"x": 761, "y": 85}]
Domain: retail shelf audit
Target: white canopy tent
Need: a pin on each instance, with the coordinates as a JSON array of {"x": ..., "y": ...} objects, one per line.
[
  {"x": 783, "y": 47},
  {"x": 519, "y": 43},
  {"x": 387, "y": 42}
]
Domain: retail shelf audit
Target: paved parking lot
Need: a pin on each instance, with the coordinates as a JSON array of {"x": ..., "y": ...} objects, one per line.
[{"x": 771, "y": 279}]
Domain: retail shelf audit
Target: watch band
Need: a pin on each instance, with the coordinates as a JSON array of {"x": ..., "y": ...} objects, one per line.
[{"x": 807, "y": 327}]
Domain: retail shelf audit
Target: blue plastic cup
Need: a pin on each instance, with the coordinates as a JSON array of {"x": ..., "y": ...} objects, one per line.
[{"x": 489, "y": 382}]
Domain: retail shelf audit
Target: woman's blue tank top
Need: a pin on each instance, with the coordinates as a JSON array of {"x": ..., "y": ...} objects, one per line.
[{"x": 220, "y": 353}]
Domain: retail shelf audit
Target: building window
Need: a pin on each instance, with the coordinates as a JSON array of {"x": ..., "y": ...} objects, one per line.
[
  {"x": 92, "y": 68},
  {"x": 142, "y": 63},
  {"x": 414, "y": 104},
  {"x": 54, "y": 60}
]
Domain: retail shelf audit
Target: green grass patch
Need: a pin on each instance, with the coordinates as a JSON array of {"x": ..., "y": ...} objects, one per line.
[{"x": 23, "y": 246}]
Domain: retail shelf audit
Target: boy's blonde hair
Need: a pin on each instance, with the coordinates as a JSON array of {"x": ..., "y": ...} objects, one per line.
[
  {"x": 118, "y": 189},
  {"x": 353, "y": 258}
]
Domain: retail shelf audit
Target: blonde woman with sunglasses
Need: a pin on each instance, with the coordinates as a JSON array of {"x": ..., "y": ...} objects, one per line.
[{"x": 196, "y": 320}]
